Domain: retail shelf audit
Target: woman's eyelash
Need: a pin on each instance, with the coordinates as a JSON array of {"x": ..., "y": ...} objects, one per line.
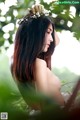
[{"x": 48, "y": 32}]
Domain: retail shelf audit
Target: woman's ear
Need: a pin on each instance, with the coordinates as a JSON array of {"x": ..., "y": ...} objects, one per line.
[{"x": 57, "y": 40}]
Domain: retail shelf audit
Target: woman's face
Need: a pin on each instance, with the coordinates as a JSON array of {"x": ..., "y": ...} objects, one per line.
[{"x": 48, "y": 38}]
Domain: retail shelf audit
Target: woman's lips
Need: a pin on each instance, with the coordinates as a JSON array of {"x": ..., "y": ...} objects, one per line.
[{"x": 48, "y": 45}]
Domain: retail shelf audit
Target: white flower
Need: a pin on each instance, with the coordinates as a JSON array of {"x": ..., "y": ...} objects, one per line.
[
  {"x": 38, "y": 10},
  {"x": 35, "y": 12}
]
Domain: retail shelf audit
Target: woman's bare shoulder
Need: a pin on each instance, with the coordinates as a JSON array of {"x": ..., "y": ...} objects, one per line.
[
  {"x": 40, "y": 63},
  {"x": 40, "y": 69}
]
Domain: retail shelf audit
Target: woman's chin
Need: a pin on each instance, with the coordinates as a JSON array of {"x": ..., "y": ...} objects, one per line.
[{"x": 46, "y": 49}]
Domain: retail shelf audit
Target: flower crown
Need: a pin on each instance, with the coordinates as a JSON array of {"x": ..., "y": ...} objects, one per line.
[{"x": 35, "y": 12}]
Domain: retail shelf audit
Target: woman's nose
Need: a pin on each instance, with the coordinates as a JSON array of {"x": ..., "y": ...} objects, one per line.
[{"x": 51, "y": 38}]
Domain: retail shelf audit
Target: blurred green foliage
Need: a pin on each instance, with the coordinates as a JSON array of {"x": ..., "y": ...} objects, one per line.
[
  {"x": 68, "y": 79},
  {"x": 10, "y": 98}
]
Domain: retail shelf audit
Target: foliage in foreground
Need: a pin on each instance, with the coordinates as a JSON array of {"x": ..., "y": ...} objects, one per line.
[{"x": 12, "y": 102}]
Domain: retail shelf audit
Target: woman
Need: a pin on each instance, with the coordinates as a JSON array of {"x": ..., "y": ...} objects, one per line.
[{"x": 35, "y": 42}]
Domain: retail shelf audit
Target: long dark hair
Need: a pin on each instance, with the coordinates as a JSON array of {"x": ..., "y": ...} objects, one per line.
[{"x": 29, "y": 42}]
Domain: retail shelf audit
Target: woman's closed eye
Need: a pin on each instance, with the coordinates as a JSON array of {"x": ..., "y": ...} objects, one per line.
[{"x": 48, "y": 32}]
